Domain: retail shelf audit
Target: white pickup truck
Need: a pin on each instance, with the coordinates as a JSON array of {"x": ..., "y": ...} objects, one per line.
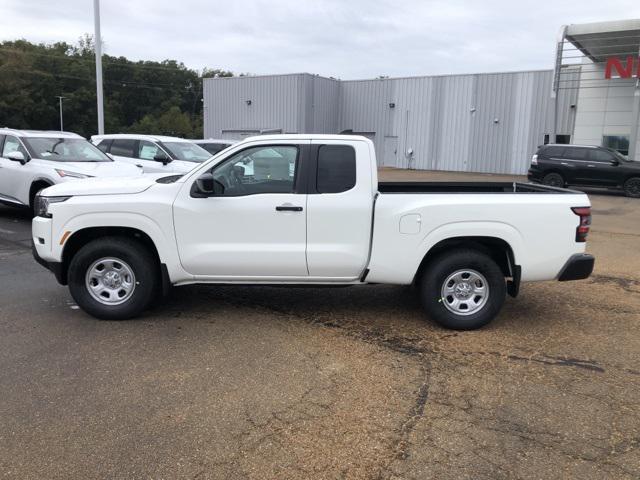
[{"x": 308, "y": 209}]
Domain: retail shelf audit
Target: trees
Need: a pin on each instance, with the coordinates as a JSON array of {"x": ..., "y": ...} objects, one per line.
[{"x": 141, "y": 96}]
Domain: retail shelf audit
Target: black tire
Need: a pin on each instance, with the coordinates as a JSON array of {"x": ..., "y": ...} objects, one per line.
[
  {"x": 145, "y": 269},
  {"x": 446, "y": 264},
  {"x": 554, "y": 179},
  {"x": 632, "y": 187}
]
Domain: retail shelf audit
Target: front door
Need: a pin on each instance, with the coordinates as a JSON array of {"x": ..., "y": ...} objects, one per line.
[
  {"x": 153, "y": 158},
  {"x": 254, "y": 226}
]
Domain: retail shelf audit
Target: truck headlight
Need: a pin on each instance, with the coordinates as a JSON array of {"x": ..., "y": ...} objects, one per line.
[
  {"x": 41, "y": 205},
  {"x": 66, "y": 173}
]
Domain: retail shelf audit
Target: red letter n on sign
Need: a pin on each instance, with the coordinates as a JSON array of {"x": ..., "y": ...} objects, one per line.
[{"x": 622, "y": 71}]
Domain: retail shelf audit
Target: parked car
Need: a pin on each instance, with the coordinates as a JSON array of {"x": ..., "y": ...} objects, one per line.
[
  {"x": 312, "y": 212},
  {"x": 584, "y": 165},
  {"x": 33, "y": 160},
  {"x": 154, "y": 153},
  {"x": 213, "y": 146}
]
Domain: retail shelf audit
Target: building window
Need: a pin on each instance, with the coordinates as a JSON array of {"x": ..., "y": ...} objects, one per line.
[
  {"x": 617, "y": 142},
  {"x": 545, "y": 140},
  {"x": 563, "y": 139}
]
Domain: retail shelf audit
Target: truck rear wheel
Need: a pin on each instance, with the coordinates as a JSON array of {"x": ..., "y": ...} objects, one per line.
[
  {"x": 113, "y": 278},
  {"x": 553, "y": 180},
  {"x": 463, "y": 289}
]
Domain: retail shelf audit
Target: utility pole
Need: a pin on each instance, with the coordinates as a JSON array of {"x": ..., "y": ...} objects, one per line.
[
  {"x": 61, "y": 124},
  {"x": 98, "y": 53}
]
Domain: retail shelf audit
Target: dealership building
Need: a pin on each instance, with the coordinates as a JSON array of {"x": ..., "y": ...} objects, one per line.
[{"x": 485, "y": 122}]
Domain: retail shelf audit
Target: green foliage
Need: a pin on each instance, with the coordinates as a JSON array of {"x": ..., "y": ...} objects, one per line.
[{"x": 144, "y": 96}]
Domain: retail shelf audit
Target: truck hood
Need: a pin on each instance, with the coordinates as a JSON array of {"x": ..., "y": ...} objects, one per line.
[{"x": 104, "y": 186}]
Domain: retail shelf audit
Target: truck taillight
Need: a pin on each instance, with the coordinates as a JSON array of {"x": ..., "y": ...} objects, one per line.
[
  {"x": 585, "y": 222},
  {"x": 534, "y": 160}
]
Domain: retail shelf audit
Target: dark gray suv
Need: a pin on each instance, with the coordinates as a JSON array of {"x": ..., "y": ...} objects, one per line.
[{"x": 589, "y": 166}]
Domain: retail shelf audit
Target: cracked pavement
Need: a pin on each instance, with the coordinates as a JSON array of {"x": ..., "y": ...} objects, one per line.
[{"x": 264, "y": 382}]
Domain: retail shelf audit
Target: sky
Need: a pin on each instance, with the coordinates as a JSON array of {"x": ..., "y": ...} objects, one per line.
[{"x": 348, "y": 39}]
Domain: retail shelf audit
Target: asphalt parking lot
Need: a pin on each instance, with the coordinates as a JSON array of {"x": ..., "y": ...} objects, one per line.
[{"x": 248, "y": 382}]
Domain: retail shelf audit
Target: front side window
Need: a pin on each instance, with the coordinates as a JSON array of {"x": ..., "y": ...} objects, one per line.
[
  {"x": 265, "y": 169},
  {"x": 123, "y": 147},
  {"x": 65, "y": 149},
  {"x": 150, "y": 151},
  {"x": 187, "y": 151},
  {"x": 336, "y": 169},
  {"x": 600, "y": 156},
  {"x": 12, "y": 144}
]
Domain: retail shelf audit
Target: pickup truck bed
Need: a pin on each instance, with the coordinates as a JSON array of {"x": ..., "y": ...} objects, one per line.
[{"x": 467, "y": 187}]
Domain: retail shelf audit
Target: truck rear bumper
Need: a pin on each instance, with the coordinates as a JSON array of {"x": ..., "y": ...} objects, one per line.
[{"x": 578, "y": 267}]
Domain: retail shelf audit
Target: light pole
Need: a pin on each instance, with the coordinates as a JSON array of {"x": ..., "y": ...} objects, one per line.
[
  {"x": 98, "y": 53},
  {"x": 60, "y": 100}
]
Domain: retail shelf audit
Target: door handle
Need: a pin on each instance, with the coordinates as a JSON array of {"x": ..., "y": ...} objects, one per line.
[
  {"x": 288, "y": 208},
  {"x": 591, "y": 166}
]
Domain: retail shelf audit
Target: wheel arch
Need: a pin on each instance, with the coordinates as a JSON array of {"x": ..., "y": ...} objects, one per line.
[
  {"x": 81, "y": 237},
  {"x": 38, "y": 184},
  {"x": 495, "y": 247}
]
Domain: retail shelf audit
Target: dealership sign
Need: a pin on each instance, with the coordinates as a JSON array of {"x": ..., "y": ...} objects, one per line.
[{"x": 623, "y": 68}]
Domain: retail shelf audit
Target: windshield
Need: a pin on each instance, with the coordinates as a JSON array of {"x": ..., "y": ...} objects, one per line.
[
  {"x": 65, "y": 149},
  {"x": 214, "y": 148},
  {"x": 187, "y": 151}
]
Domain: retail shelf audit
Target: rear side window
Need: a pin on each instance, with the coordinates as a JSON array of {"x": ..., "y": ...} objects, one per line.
[
  {"x": 336, "y": 168},
  {"x": 576, "y": 153},
  {"x": 104, "y": 145},
  {"x": 123, "y": 147},
  {"x": 553, "y": 151}
]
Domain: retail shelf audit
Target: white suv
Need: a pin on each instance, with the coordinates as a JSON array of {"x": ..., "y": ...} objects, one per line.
[
  {"x": 154, "y": 153},
  {"x": 33, "y": 160}
]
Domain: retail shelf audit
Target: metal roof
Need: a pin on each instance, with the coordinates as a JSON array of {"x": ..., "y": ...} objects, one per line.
[{"x": 600, "y": 40}]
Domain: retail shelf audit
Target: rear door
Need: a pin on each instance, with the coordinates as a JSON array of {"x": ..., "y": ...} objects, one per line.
[
  {"x": 575, "y": 160},
  {"x": 124, "y": 150},
  {"x": 339, "y": 208}
]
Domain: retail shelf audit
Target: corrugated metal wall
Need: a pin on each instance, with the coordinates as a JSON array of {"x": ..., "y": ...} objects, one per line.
[{"x": 477, "y": 123}]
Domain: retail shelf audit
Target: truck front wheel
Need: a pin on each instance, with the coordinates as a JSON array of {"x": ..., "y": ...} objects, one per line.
[
  {"x": 113, "y": 278},
  {"x": 463, "y": 289}
]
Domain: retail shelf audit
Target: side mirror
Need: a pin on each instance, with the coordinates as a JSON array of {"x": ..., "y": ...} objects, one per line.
[
  {"x": 16, "y": 156},
  {"x": 160, "y": 157},
  {"x": 615, "y": 162},
  {"x": 206, "y": 186}
]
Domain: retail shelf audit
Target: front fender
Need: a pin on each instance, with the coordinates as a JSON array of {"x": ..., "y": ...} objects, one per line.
[{"x": 162, "y": 239}]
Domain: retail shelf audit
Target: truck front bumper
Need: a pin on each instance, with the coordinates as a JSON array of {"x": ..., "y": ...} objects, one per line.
[
  {"x": 53, "y": 267},
  {"x": 42, "y": 247},
  {"x": 578, "y": 267}
]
